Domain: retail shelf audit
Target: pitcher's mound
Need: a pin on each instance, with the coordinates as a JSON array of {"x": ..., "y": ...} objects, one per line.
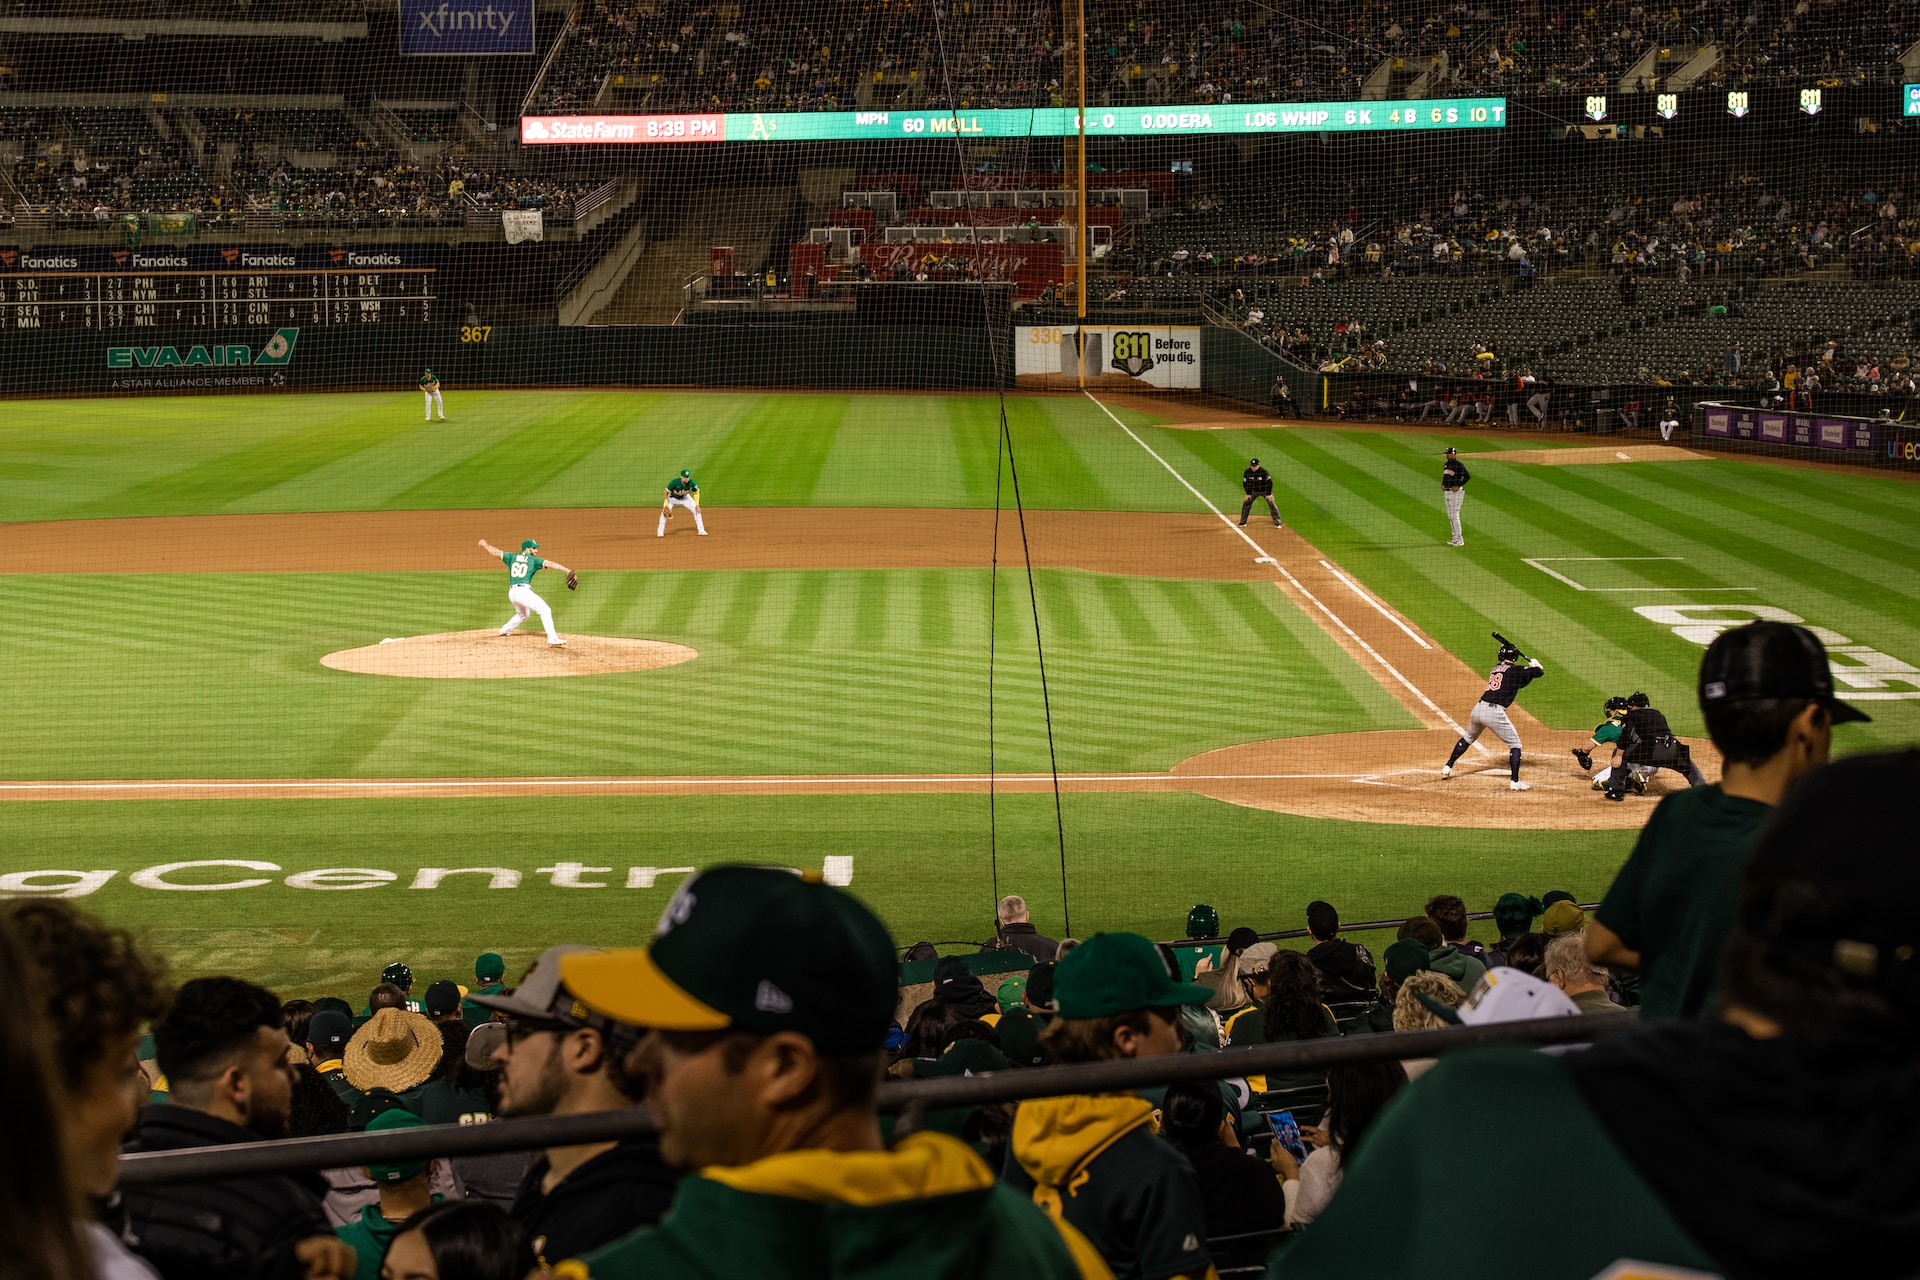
[{"x": 487, "y": 655}]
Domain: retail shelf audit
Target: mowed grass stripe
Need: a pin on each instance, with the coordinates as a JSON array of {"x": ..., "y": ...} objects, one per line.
[
  {"x": 511, "y": 470},
  {"x": 124, "y": 690}
]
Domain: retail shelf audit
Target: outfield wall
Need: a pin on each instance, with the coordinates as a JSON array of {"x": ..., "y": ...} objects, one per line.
[{"x": 195, "y": 362}]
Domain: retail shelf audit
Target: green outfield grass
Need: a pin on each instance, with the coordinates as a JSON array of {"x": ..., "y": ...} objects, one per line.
[
  {"x": 841, "y": 671},
  {"x": 1134, "y": 862}
]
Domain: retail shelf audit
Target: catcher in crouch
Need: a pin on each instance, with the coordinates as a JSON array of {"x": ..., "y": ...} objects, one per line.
[
  {"x": 1605, "y": 735},
  {"x": 1645, "y": 739}
]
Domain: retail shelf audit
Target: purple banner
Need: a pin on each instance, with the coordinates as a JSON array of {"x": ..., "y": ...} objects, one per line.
[
  {"x": 1719, "y": 422},
  {"x": 1830, "y": 433},
  {"x": 1773, "y": 428}
]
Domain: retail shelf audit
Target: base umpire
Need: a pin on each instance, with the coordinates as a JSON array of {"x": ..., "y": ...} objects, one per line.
[{"x": 1257, "y": 482}]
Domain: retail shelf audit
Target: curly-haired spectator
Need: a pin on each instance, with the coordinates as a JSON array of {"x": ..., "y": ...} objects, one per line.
[
  {"x": 39, "y": 1201},
  {"x": 97, "y": 993}
]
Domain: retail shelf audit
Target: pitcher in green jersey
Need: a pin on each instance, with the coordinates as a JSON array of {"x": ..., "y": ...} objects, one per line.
[{"x": 521, "y": 566}]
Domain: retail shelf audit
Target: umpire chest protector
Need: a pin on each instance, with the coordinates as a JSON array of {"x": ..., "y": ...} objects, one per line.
[{"x": 1645, "y": 727}]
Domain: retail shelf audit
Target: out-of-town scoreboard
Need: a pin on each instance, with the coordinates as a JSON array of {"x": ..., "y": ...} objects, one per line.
[{"x": 213, "y": 288}]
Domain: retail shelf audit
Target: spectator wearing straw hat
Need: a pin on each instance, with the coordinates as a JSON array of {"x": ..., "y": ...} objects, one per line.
[
  {"x": 560, "y": 1058},
  {"x": 404, "y": 1192},
  {"x": 770, "y": 996},
  {"x": 392, "y": 1055}
]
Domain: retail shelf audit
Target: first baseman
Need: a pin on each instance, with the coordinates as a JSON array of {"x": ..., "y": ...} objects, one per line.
[
  {"x": 681, "y": 492},
  {"x": 1504, "y": 684},
  {"x": 430, "y": 388},
  {"x": 521, "y": 566},
  {"x": 1453, "y": 490},
  {"x": 1257, "y": 482}
]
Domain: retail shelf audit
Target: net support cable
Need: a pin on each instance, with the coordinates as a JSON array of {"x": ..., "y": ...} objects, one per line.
[
  {"x": 1006, "y": 465},
  {"x": 339, "y": 1151}
]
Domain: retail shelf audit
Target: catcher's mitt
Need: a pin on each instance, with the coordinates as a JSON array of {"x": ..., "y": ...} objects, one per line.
[
  {"x": 1585, "y": 758},
  {"x": 573, "y": 581}
]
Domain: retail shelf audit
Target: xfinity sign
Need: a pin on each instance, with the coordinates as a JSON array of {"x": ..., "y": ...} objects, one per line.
[{"x": 466, "y": 28}]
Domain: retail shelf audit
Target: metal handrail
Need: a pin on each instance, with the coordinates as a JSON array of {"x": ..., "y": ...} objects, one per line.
[
  {"x": 336, "y": 1151},
  {"x": 540, "y": 76}
]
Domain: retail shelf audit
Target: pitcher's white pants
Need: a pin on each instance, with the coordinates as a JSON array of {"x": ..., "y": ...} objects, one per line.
[
  {"x": 524, "y": 603},
  {"x": 1454, "y": 497},
  {"x": 433, "y": 398},
  {"x": 692, "y": 504}
]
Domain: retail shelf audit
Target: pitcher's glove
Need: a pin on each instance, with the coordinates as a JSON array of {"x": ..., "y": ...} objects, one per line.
[
  {"x": 1584, "y": 757},
  {"x": 573, "y": 581}
]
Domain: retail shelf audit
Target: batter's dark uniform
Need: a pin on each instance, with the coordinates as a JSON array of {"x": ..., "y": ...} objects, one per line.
[
  {"x": 1504, "y": 683},
  {"x": 1645, "y": 738},
  {"x": 1257, "y": 482}
]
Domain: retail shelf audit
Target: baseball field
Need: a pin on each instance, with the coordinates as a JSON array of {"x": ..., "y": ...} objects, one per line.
[{"x": 209, "y": 740}]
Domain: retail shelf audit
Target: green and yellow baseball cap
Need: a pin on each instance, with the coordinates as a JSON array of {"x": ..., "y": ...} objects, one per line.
[
  {"x": 1115, "y": 973},
  {"x": 529, "y": 544},
  {"x": 753, "y": 948}
]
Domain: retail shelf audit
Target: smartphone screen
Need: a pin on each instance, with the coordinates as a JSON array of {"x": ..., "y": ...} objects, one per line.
[{"x": 1287, "y": 1133}]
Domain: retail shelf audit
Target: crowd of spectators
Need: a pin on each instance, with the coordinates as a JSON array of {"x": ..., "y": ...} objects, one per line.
[
  {"x": 684, "y": 56},
  {"x": 1759, "y": 928}
]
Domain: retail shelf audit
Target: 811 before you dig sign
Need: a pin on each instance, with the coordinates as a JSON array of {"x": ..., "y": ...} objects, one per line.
[{"x": 217, "y": 875}]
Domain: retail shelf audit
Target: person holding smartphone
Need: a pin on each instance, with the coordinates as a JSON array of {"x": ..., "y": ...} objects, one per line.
[{"x": 1307, "y": 1158}]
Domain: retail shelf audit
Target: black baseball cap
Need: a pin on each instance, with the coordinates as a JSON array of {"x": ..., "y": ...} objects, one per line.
[
  {"x": 1770, "y": 660},
  {"x": 329, "y": 1030},
  {"x": 1834, "y": 876},
  {"x": 758, "y": 949},
  {"x": 442, "y": 998},
  {"x": 1451, "y": 449}
]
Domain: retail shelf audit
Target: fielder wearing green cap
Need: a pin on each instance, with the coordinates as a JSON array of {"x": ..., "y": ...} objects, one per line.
[
  {"x": 1095, "y": 1163},
  {"x": 769, "y": 996},
  {"x": 403, "y": 1193}
]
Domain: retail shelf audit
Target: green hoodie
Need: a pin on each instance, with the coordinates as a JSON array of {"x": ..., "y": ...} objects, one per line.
[
  {"x": 1096, "y": 1164},
  {"x": 370, "y": 1234},
  {"x": 928, "y": 1208}
]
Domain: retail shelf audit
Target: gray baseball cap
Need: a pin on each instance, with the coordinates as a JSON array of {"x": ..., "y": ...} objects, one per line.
[{"x": 484, "y": 1039}]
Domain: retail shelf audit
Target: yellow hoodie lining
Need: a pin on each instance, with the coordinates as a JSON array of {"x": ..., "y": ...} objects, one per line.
[
  {"x": 919, "y": 1166},
  {"x": 1056, "y": 1139}
]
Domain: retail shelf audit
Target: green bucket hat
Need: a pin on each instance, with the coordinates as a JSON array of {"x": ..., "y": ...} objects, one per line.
[{"x": 1114, "y": 973}]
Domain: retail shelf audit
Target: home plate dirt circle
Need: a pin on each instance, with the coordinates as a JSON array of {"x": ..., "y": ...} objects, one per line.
[
  {"x": 487, "y": 655},
  {"x": 1394, "y": 777}
]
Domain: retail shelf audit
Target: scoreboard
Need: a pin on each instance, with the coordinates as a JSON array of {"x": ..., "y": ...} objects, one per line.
[{"x": 125, "y": 291}]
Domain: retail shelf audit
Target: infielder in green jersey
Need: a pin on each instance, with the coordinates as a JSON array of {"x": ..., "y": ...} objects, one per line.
[
  {"x": 521, "y": 566},
  {"x": 681, "y": 492},
  {"x": 430, "y": 387}
]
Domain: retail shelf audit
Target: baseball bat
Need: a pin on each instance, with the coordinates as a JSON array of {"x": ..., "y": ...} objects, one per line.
[{"x": 1509, "y": 644}]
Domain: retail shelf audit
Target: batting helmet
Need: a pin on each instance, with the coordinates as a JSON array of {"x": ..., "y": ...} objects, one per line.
[
  {"x": 1203, "y": 922},
  {"x": 1509, "y": 654},
  {"x": 398, "y": 974}
]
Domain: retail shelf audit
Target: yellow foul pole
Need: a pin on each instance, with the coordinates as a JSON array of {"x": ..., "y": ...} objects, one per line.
[{"x": 1081, "y": 249}]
